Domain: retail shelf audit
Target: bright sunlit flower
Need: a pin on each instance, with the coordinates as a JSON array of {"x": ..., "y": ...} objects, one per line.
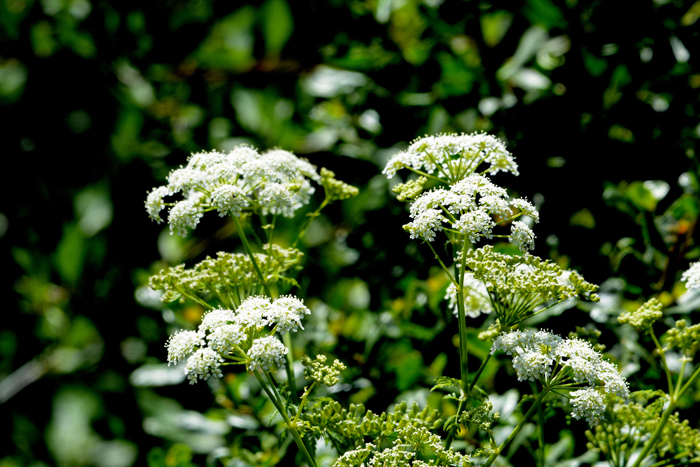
[
  {"x": 564, "y": 364},
  {"x": 267, "y": 353},
  {"x": 203, "y": 364},
  {"x": 471, "y": 207},
  {"x": 692, "y": 276},
  {"x": 453, "y": 156},
  {"x": 276, "y": 182}
]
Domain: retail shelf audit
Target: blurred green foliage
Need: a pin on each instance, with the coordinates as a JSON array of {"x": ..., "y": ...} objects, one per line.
[{"x": 598, "y": 100}]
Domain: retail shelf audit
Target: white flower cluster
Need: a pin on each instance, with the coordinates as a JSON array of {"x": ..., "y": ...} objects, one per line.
[
  {"x": 276, "y": 182},
  {"x": 266, "y": 353},
  {"x": 588, "y": 403},
  {"x": 469, "y": 207},
  {"x": 476, "y": 298},
  {"x": 227, "y": 334},
  {"x": 537, "y": 354},
  {"x": 692, "y": 276},
  {"x": 454, "y": 156}
]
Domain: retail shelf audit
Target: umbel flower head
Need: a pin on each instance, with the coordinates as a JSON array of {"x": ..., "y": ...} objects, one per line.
[
  {"x": 453, "y": 157},
  {"x": 564, "y": 363},
  {"x": 692, "y": 276},
  {"x": 239, "y": 336},
  {"x": 468, "y": 209},
  {"x": 645, "y": 316},
  {"x": 518, "y": 285},
  {"x": 276, "y": 182}
]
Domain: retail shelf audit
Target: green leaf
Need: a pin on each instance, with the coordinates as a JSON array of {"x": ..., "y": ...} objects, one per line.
[
  {"x": 277, "y": 25},
  {"x": 494, "y": 26},
  {"x": 70, "y": 253}
]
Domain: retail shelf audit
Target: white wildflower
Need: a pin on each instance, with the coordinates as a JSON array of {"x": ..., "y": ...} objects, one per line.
[
  {"x": 183, "y": 344},
  {"x": 184, "y": 215},
  {"x": 224, "y": 338},
  {"x": 155, "y": 203},
  {"x": 612, "y": 380},
  {"x": 580, "y": 357},
  {"x": 252, "y": 313},
  {"x": 588, "y": 403},
  {"x": 533, "y": 364},
  {"x": 426, "y": 224},
  {"x": 454, "y": 156},
  {"x": 522, "y": 236},
  {"x": 216, "y": 318},
  {"x": 203, "y": 364},
  {"x": 266, "y": 353},
  {"x": 526, "y": 208},
  {"x": 475, "y": 224},
  {"x": 229, "y": 200},
  {"x": 277, "y": 182},
  {"x": 692, "y": 276},
  {"x": 286, "y": 314},
  {"x": 470, "y": 207}
]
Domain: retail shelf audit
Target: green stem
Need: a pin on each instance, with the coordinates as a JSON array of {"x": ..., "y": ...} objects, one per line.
[
  {"x": 690, "y": 381},
  {"x": 656, "y": 435},
  {"x": 663, "y": 360},
  {"x": 447, "y": 271},
  {"x": 196, "y": 299},
  {"x": 517, "y": 429},
  {"x": 427, "y": 175},
  {"x": 291, "y": 378},
  {"x": 311, "y": 217},
  {"x": 540, "y": 432},
  {"x": 453, "y": 430},
  {"x": 307, "y": 391},
  {"x": 249, "y": 251},
  {"x": 463, "y": 350},
  {"x": 290, "y": 426}
]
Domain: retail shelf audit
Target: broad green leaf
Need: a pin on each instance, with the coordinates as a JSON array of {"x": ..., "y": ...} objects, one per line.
[{"x": 277, "y": 25}]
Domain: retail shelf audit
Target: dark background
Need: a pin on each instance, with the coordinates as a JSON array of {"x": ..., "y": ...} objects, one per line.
[{"x": 100, "y": 100}]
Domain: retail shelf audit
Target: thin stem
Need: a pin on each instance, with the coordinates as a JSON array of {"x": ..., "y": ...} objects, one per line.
[
  {"x": 290, "y": 426},
  {"x": 463, "y": 349},
  {"x": 540, "y": 430},
  {"x": 196, "y": 299},
  {"x": 248, "y": 250},
  {"x": 690, "y": 381},
  {"x": 517, "y": 429},
  {"x": 656, "y": 435},
  {"x": 663, "y": 361},
  {"x": 307, "y": 223},
  {"x": 291, "y": 378},
  {"x": 307, "y": 391},
  {"x": 447, "y": 271},
  {"x": 427, "y": 175}
]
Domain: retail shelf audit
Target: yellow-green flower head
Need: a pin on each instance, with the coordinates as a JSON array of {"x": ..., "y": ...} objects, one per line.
[
  {"x": 645, "y": 316},
  {"x": 321, "y": 372},
  {"x": 683, "y": 337},
  {"x": 453, "y": 156},
  {"x": 520, "y": 284}
]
